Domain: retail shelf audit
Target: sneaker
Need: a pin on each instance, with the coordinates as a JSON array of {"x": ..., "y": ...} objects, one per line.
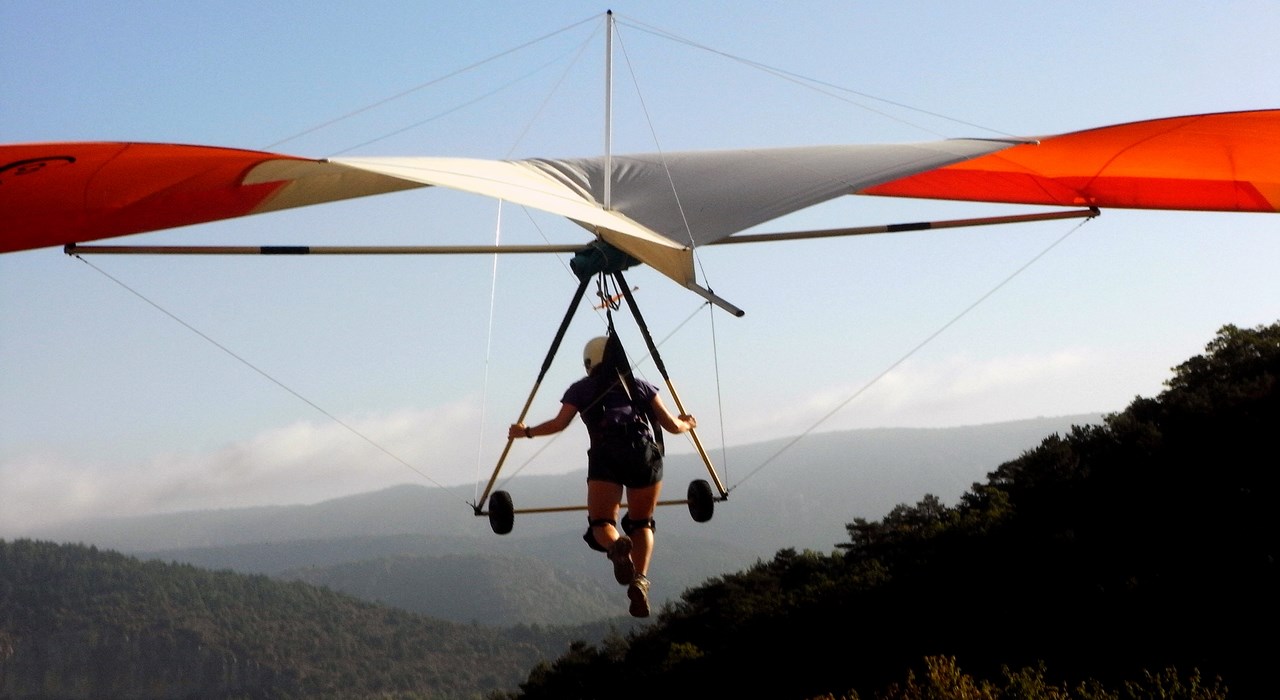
[
  {"x": 620, "y": 554},
  {"x": 638, "y": 592}
]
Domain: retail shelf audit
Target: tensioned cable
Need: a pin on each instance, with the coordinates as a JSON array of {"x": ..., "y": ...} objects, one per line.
[
  {"x": 648, "y": 118},
  {"x": 840, "y": 406},
  {"x": 815, "y": 84},
  {"x": 715, "y": 352},
  {"x": 488, "y": 351},
  {"x": 635, "y": 365},
  {"x": 498, "y": 231},
  {"x": 819, "y": 86},
  {"x": 582, "y": 48},
  {"x": 313, "y": 129},
  {"x": 351, "y": 429},
  {"x": 449, "y": 111},
  {"x": 546, "y": 444},
  {"x": 493, "y": 277},
  {"x": 427, "y": 84}
]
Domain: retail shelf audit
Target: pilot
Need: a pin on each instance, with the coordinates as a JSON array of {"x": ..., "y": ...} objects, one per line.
[{"x": 618, "y": 411}]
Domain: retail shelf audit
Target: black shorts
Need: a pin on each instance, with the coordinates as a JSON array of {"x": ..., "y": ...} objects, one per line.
[{"x": 633, "y": 464}]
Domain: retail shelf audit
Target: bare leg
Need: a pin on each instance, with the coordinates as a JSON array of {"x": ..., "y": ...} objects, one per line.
[
  {"x": 603, "y": 499},
  {"x": 641, "y": 503}
]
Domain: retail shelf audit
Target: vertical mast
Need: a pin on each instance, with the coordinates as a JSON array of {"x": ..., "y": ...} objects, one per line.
[{"x": 608, "y": 110}]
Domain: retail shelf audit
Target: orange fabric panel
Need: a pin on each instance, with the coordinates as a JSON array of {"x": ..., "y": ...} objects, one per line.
[
  {"x": 52, "y": 194},
  {"x": 1213, "y": 162}
]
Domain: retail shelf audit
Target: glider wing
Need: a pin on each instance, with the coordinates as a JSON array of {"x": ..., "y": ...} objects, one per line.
[
  {"x": 1211, "y": 162},
  {"x": 53, "y": 194},
  {"x": 659, "y": 206}
]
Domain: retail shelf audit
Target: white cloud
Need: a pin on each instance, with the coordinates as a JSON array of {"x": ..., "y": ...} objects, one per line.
[
  {"x": 304, "y": 462},
  {"x": 956, "y": 390},
  {"x": 310, "y": 461},
  {"x": 960, "y": 389}
]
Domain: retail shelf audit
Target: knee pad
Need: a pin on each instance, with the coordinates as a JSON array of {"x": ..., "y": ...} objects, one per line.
[
  {"x": 590, "y": 536},
  {"x": 629, "y": 526}
]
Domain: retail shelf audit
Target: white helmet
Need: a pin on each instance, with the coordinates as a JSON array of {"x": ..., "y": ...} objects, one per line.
[{"x": 593, "y": 352}]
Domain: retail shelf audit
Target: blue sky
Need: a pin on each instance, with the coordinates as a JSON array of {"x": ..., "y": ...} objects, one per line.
[{"x": 408, "y": 369}]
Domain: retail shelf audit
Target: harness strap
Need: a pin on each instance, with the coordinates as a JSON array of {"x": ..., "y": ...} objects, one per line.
[
  {"x": 629, "y": 526},
  {"x": 590, "y": 536}
]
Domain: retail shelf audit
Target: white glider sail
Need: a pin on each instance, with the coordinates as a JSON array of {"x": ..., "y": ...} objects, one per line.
[{"x": 665, "y": 205}]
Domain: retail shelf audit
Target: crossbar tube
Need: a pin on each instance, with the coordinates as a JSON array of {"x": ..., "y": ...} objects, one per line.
[
  {"x": 566, "y": 509},
  {"x": 899, "y": 228},
  {"x": 542, "y": 373},
  {"x": 76, "y": 249},
  {"x": 662, "y": 369}
]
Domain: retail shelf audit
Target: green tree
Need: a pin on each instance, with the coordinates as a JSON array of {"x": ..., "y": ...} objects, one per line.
[{"x": 1146, "y": 542}]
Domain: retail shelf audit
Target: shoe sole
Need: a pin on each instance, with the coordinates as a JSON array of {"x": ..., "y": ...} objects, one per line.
[
  {"x": 624, "y": 570},
  {"x": 639, "y": 601}
]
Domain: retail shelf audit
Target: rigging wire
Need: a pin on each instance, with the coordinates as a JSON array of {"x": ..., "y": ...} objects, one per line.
[
  {"x": 242, "y": 360},
  {"x": 644, "y": 108},
  {"x": 815, "y": 84},
  {"x": 429, "y": 83},
  {"x": 715, "y": 353},
  {"x": 564, "y": 75},
  {"x": 488, "y": 350},
  {"x": 604, "y": 296},
  {"x": 451, "y": 110},
  {"x": 635, "y": 366},
  {"x": 493, "y": 279},
  {"x": 715, "y": 364},
  {"x": 826, "y": 88},
  {"x": 840, "y": 406}
]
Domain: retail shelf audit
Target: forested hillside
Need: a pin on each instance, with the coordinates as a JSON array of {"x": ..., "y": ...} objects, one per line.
[
  {"x": 487, "y": 590},
  {"x": 1139, "y": 551},
  {"x": 76, "y": 622}
]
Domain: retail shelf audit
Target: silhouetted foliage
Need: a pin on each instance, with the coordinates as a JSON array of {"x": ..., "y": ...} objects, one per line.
[
  {"x": 1144, "y": 543},
  {"x": 942, "y": 679}
]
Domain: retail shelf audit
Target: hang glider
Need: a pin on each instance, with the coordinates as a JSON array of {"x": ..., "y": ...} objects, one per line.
[{"x": 656, "y": 208}]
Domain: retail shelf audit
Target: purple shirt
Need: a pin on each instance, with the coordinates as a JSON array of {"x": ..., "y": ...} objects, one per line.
[{"x": 617, "y": 408}]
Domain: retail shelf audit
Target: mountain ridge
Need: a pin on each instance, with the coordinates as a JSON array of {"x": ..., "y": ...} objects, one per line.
[
  {"x": 398, "y": 545},
  {"x": 901, "y": 463}
]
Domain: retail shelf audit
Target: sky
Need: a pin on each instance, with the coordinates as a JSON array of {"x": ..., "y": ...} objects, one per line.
[{"x": 141, "y": 384}]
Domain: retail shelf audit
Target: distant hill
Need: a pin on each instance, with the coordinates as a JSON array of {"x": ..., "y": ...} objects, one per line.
[
  {"x": 78, "y": 622},
  {"x": 406, "y": 545},
  {"x": 823, "y": 479},
  {"x": 487, "y": 589}
]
